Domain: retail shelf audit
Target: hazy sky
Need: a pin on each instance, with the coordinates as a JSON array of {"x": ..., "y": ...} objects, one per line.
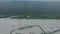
[
  {"x": 42, "y": 0},
  {"x": 39, "y": 0},
  {"x": 29, "y": 0}
]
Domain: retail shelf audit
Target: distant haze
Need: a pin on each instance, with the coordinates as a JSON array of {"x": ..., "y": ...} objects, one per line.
[
  {"x": 29, "y": 0},
  {"x": 32, "y": 7}
]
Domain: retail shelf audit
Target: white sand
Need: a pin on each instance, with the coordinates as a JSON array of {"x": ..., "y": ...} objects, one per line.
[{"x": 49, "y": 25}]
